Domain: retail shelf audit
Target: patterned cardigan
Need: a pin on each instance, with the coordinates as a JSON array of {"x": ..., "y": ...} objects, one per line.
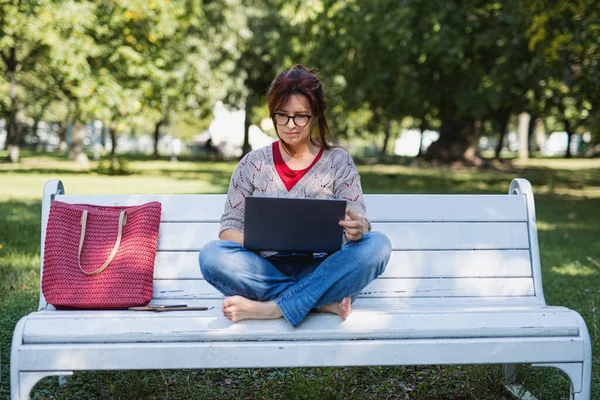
[{"x": 334, "y": 176}]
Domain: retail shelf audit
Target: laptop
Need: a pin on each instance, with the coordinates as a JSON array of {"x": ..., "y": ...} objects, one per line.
[{"x": 293, "y": 224}]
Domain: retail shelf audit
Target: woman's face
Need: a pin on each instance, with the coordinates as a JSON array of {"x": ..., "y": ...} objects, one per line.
[{"x": 292, "y": 134}]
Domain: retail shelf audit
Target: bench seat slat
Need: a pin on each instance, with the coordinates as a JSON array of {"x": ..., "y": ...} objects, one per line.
[
  {"x": 435, "y": 287},
  {"x": 404, "y": 236},
  {"x": 403, "y": 264},
  {"x": 201, "y": 326},
  {"x": 68, "y": 357},
  {"x": 391, "y": 305},
  {"x": 457, "y": 207}
]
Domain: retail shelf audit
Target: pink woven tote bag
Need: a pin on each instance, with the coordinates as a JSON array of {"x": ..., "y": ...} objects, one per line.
[{"x": 100, "y": 257}]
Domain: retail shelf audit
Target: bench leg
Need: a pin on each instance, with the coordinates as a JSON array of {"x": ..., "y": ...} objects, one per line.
[
  {"x": 517, "y": 391},
  {"x": 26, "y": 381},
  {"x": 509, "y": 372},
  {"x": 62, "y": 380},
  {"x": 22, "y": 382},
  {"x": 580, "y": 375}
]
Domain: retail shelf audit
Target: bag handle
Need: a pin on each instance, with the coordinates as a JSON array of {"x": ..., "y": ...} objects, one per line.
[{"x": 122, "y": 222}]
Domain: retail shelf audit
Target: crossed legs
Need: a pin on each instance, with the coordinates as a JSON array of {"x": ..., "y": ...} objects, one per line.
[{"x": 257, "y": 289}]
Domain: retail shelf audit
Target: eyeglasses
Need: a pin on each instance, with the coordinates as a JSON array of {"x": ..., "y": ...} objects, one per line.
[{"x": 300, "y": 120}]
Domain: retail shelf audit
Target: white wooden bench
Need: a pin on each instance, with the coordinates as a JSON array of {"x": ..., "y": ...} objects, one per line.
[{"x": 463, "y": 286}]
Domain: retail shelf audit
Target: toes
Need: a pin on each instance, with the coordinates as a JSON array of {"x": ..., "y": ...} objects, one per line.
[
  {"x": 229, "y": 301},
  {"x": 345, "y": 307}
]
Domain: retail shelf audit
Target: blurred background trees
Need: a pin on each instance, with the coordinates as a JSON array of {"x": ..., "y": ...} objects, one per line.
[{"x": 463, "y": 68}]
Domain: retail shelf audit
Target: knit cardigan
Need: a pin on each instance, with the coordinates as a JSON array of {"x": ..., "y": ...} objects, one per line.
[{"x": 334, "y": 176}]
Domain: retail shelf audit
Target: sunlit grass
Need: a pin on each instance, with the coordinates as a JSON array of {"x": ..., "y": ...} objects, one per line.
[
  {"x": 575, "y": 269},
  {"x": 572, "y": 164},
  {"x": 545, "y": 226}
]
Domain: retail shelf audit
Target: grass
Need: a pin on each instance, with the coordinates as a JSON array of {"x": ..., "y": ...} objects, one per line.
[{"x": 568, "y": 210}]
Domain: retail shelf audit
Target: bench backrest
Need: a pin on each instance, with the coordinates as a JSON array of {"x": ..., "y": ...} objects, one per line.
[{"x": 447, "y": 249}]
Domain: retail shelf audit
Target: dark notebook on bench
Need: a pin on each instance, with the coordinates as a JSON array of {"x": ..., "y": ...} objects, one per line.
[{"x": 293, "y": 224}]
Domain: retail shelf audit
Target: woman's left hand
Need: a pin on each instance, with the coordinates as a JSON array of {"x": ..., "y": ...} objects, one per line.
[{"x": 355, "y": 225}]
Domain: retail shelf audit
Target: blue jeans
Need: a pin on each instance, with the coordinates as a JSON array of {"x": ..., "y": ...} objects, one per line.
[{"x": 296, "y": 282}]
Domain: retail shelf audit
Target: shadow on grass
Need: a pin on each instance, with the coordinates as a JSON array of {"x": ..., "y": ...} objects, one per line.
[
  {"x": 47, "y": 171},
  {"x": 462, "y": 181},
  {"x": 19, "y": 272}
]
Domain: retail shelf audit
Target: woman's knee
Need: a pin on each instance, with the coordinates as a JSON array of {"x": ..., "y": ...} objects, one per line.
[
  {"x": 379, "y": 249},
  {"x": 378, "y": 244}
]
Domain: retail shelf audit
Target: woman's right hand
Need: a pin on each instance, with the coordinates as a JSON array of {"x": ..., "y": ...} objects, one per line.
[{"x": 355, "y": 226}]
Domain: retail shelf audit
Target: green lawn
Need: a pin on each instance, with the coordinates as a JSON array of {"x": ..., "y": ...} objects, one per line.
[{"x": 568, "y": 212}]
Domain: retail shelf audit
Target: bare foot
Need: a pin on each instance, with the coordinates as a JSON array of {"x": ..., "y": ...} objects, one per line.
[
  {"x": 237, "y": 308},
  {"x": 341, "y": 308}
]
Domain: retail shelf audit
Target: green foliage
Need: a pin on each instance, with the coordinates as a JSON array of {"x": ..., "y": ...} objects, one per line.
[
  {"x": 112, "y": 167},
  {"x": 140, "y": 64}
]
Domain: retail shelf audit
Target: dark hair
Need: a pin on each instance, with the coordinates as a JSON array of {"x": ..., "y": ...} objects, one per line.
[{"x": 303, "y": 81}]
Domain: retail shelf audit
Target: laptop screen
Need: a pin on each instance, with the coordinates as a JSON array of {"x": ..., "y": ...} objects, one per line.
[{"x": 293, "y": 224}]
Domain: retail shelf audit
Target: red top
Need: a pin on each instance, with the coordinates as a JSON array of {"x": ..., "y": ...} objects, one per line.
[{"x": 289, "y": 176}]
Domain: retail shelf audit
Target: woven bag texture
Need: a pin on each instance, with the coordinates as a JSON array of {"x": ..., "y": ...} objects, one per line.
[{"x": 126, "y": 282}]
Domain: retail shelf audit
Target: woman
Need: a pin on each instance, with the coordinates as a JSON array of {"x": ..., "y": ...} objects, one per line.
[{"x": 272, "y": 285}]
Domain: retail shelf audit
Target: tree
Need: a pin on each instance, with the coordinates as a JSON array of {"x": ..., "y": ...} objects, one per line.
[
  {"x": 566, "y": 32},
  {"x": 369, "y": 63},
  {"x": 19, "y": 41},
  {"x": 38, "y": 34}
]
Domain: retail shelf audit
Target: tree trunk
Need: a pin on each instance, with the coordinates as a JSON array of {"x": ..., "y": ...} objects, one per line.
[
  {"x": 386, "y": 138},
  {"x": 422, "y": 127},
  {"x": 65, "y": 127},
  {"x": 77, "y": 152},
  {"x": 103, "y": 136},
  {"x": 157, "y": 127},
  {"x": 501, "y": 121},
  {"x": 62, "y": 135},
  {"x": 531, "y": 134},
  {"x": 113, "y": 138},
  {"x": 36, "y": 124},
  {"x": 456, "y": 141},
  {"x": 34, "y": 131},
  {"x": 569, "y": 136},
  {"x": 247, "y": 122},
  {"x": 12, "y": 123}
]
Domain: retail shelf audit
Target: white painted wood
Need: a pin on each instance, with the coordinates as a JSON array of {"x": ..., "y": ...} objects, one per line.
[
  {"x": 456, "y": 208},
  {"x": 27, "y": 381},
  {"x": 518, "y": 188},
  {"x": 186, "y": 236},
  {"x": 402, "y": 264},
  {"x": 460, "y": 287},
  {"x": 458, "y": 264},
  {"x": 197, "y": 326},
  {"x": 581, "y": 369},
  {"x": 573, "y": 370},
  {"x": 404, "y": 236},
  {"x": 15, "y": 360},
  {"x": 175, "y": 208},
  {"x": 463, "y": 287},
  {"x": 380, "y": 207},
  {"x": 51, "y": 189},
  {"x": 409, "y": 305},
  {"x": 299, "y": 354}
]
